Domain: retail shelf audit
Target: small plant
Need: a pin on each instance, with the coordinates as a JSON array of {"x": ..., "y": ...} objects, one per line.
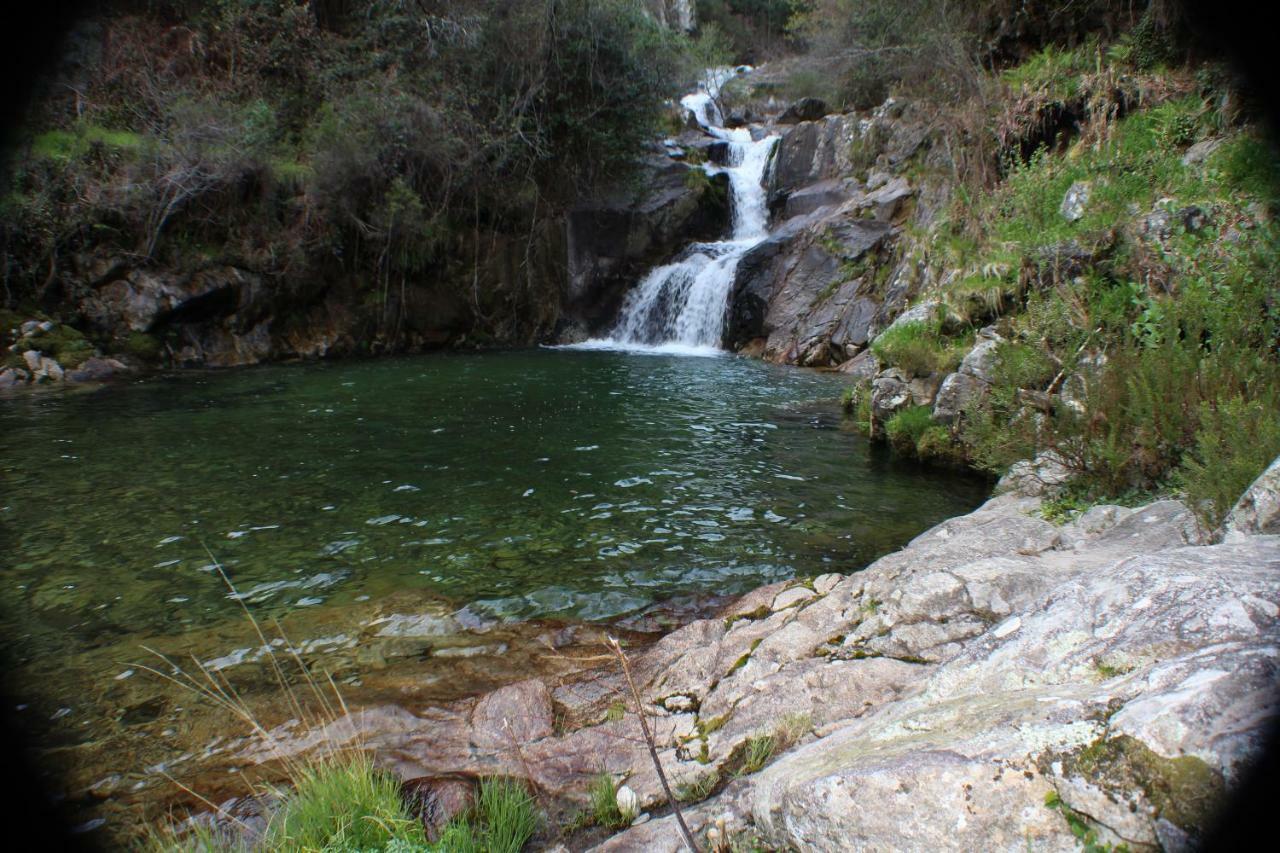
[
  {"x": 699, "y": 789},
  {"x": 793, "y": 727},
  {"x": 1087, "y": 836},
  {"x": 342, "y": 805},
  {"x": 758, "y": 751},
  {"x": 617, "y": 710},
  {"x": 502, "y": 821},
  {"x": 604, "y": 802}
]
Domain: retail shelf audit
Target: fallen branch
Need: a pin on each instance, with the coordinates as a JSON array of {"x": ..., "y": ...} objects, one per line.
[{"x": 653, "y": 750}]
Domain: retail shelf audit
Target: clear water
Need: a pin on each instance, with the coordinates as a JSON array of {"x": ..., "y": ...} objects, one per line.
[{"x": 574, "y": 485}]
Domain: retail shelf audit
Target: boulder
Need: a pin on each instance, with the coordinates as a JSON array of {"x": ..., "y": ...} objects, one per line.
[
  {"x": 956, "y": 393},
  {"x": 12, "y": 376},
  {"x": 805, "y": 109},
  {"x": 863, "y": 367},
  {"x": 1201, "y": 151},
  {"x": 1257, "y": 513},
  {"x": 96, "y": 369},
  {"x": 831, "y": 193},
  {"x": 436, "y": 800},
  {"x": 890, "y": 394},
  {"x": 1044, "y": 475},
  {"x": 1075, "y": 201}
]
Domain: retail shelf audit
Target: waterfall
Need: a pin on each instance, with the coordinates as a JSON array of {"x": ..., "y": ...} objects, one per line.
[{"x": 681, "y": 306}]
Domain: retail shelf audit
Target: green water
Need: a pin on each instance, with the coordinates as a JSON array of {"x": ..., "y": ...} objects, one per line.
[{"x": 573, "y": 485}]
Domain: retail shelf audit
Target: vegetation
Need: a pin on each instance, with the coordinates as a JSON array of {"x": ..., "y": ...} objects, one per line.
[
  {"x": 348, "y": 805},
  {"x": 378, "y": 138},
  {"x": 1140, "y": 334},
  {"x": 604, "y": 803}
]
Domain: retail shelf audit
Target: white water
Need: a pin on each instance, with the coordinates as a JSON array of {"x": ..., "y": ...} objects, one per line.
[{"x": 680, "y": 307}]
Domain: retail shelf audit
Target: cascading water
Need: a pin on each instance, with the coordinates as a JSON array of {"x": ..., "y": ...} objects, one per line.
[{"x": 681, "y": 306}]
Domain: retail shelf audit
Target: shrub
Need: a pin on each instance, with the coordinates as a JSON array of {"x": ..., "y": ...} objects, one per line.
[
  {"x": 1236, "y": 440},
  {"x": 920, "y": 349},
  {"x": 936, "y": 445},
  {"x": 905, "y": 429}
]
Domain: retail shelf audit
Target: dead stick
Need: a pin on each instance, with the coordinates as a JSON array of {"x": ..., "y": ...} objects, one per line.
[{"x": 653, "y": 750}]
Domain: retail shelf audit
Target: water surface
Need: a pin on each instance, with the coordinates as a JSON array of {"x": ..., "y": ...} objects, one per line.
[{"x": 582, "y": 485}]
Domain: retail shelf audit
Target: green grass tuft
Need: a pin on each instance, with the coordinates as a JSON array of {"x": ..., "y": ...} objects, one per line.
[{"x": 345, "y": 806}]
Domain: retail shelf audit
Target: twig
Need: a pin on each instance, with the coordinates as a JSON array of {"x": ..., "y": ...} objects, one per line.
[{"x": 653, "y": 750}]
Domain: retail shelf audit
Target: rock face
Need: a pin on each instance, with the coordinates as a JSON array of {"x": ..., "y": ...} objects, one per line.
[
  {"x": 612, "y": 242},
  {"x": 808, "y": 293},
  {"x": 1116, "y": 675}
]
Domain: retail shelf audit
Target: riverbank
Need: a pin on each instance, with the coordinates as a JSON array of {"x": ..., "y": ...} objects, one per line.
[{"x": 1002, "y": 680}]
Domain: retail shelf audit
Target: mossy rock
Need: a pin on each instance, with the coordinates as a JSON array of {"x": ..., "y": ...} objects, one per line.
[
  {"x": 1185, "y": 791},
  {"x": 66, "y": 345}
]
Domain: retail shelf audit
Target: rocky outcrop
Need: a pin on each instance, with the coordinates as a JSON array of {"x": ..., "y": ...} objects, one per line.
[
  {"x": 807, "y": 293},
  {"x": 1114, "y": 668},
  {"x": 1258, "y": 510}
]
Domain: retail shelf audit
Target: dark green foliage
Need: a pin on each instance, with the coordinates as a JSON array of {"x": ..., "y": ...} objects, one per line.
[
  {"x": 385, "y": 139},
  {"x": 757, "y": 29}
]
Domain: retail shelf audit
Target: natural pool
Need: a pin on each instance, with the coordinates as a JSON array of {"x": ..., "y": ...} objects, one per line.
[{"x": 567, "y": 485}]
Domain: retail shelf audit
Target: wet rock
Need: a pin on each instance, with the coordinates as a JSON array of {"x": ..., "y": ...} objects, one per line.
[
  {"x": 1075, "y": 201},
  {"x": 517, "y": 714},
  {"x": 806, "y": 200},
  {"x": 436, "y": 800},
  {"x": 1257, "y": 513},
  {"x": 96, "y": 369},
  {"x": 13, "y": 376},
  {"x": 32, "y": 359},
  {"x": 805, "y": 109},
  {"x": 615, "y": 239}
]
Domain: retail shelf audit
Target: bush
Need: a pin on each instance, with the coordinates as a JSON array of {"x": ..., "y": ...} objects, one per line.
[
  {"x": 1236, "y": 440},
  {"x": 905, "y": 429}
]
